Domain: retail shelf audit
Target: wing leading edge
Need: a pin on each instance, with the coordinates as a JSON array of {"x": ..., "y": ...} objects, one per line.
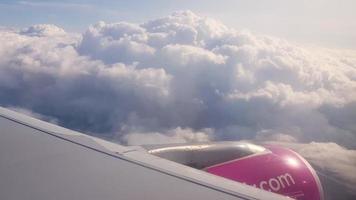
[{"x": 42, "y": 161}]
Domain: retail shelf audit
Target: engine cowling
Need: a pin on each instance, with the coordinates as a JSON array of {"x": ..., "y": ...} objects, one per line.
[
  {"x": 278, "y": 170},
  {"x": 275, "y": 169}
]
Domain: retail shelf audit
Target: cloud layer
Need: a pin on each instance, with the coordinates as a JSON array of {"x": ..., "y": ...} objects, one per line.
[{"x": 183, "y": 71}]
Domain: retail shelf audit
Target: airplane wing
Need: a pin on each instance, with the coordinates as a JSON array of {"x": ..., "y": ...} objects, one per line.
[{"x": 42, "y": 161}]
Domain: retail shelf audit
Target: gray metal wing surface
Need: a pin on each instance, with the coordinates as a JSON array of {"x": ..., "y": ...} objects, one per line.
[{"x": 42, "y": 161}]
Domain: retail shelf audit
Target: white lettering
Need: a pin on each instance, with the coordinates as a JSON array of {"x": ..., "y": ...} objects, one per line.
[
  {"x": 274, "y": 184},
  {"x": 262, "y": 183},
  {"x": 285, "y": 178}
]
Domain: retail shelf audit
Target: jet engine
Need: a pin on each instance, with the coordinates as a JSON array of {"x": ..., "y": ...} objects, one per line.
[{"x": 272, "y": 168}]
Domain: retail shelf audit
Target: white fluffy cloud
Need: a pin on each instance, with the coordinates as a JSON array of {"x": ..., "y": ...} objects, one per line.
[
  {"x": 172, "y": 136},
  {"x": 182, "y": 70},
  {"x": 46, "y": 74},
  {"x": 41, "y": 30}
]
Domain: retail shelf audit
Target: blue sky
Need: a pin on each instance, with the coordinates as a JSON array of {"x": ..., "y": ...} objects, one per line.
[{"x": 327, "y": 23}]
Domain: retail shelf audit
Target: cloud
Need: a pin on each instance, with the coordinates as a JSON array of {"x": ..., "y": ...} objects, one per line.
[
  {"x": 172, "y": 136},
  {"x": 270, "y": 135},
  {"x": 183, "y": 70},
  {"x": 46, "y": 74},
  {"x": 43, "y": 30},
  {"x": 34, "y": 115},
  {"x": 119, "y": 42},
  {"x": 343, "y": 162}
]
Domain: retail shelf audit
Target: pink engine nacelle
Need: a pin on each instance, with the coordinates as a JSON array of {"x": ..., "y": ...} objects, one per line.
[{"x": 277, "y": 169}]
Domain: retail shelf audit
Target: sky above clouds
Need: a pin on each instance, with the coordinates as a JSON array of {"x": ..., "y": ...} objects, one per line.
[
  {"x": 328, "y": 23},
  {"x": 139, "y": 73}
]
